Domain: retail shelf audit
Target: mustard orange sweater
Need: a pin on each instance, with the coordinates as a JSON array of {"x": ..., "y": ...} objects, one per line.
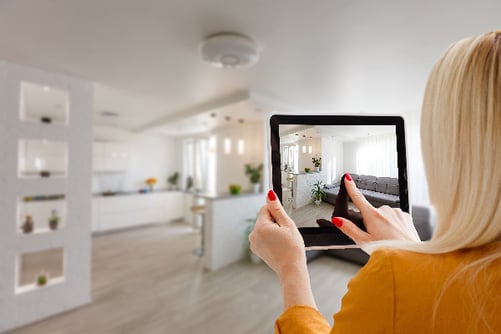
[{"x": 406, "y": 292}]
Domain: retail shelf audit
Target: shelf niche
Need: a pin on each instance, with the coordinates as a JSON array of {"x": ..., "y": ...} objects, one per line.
[
  {"x": 44, "y": 104},
  {"x": 30, "y": 266},
  {"x": 41, "y": 209},
  {"x": 40, "y": 158}
]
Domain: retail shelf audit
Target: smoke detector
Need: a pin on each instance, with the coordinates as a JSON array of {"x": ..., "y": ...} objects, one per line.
[{"x": 229, "y": 50}]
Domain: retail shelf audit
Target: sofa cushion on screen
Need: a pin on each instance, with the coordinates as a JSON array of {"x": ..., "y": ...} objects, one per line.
[
  {"x": 370, "y": 185},
  {"x": 393, "y": 189},
  {"x": 381, "y": 186}
]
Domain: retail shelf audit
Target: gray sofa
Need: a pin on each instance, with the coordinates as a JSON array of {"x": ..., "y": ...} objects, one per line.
[{"x": 378, "y": 190}]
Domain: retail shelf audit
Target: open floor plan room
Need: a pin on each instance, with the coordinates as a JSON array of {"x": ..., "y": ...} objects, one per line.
[{"x": 146, "y": 280}]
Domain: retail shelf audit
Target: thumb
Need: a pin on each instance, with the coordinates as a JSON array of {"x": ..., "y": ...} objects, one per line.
[
  {"x": 276, "y": 209},
  {"x": 350, "y": 229}
]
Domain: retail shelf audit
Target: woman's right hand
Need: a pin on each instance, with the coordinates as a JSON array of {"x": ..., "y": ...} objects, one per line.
[{"x": 384, "y": 223}]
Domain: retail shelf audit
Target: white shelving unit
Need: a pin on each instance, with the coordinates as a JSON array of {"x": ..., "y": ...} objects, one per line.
[{"x": 38, "y": 108}]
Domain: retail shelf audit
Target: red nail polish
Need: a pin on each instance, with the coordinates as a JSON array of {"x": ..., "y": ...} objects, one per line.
[
  {"x": 348, "y": 176},
  {"x": 271, "y": 195},
  {"x": 337, "y": 221}
]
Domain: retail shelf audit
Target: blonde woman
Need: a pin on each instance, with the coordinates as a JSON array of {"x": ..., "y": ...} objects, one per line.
[{"x": 450, "y": 284}]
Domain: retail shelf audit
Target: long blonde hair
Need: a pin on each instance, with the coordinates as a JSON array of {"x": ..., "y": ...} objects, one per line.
[
  {"x": 461, "y": 145},
  {"x": 460, "y": 139}
]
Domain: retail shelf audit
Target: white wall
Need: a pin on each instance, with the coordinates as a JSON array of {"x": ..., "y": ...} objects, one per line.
[
  {"x": 332, "y": 159},
  {"x": 230, "y": 167},
  {"x": 151, "y": 155},
  {"x": 350, "y": 157},
  {"x": 20, "y": 305},
  {"x": 304, "y": 159},
  {"x": 418, "y": 186}
]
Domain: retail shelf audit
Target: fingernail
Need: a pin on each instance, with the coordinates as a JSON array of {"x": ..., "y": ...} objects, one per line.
[
  {"x": 337, "y": 221},
  {"x": 271, "y": 195},
  {"x": 348, "y": 176}
]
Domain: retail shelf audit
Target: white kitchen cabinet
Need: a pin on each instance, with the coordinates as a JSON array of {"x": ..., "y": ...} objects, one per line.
[
  {"x": 110, "y": 156},
  {"x": 136, "y": 209}
]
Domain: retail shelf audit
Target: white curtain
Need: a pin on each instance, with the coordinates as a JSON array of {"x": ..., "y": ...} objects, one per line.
[
  {"x": 377, "y": 155},
  {"x": 199, "y": 163}
]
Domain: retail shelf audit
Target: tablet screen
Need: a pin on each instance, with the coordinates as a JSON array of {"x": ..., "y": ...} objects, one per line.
[{"x": 310, "y": 156}]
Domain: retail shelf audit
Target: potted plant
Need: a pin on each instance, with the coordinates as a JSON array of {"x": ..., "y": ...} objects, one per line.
[
  {"x": 151, "y": 182},
  {"x": 307, "y": 169},
  {"x": 316, "y": 162},
  {"x": 235, "y": 189},
  {"x": 318, "y": 192},
  {"x": 28, "y": 224},
  {"x": 54, "y": 220},
  {"x": 172, "y": 180},
  {"x": 254, "y": 174},
  {"x": 42, "y": 279}
]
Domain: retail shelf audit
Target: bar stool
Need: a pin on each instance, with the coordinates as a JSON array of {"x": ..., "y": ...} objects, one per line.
[{"x": 200, "y": 211}]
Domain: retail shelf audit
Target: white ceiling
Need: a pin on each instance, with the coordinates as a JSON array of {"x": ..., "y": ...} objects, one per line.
[
  {"x": 342, "y": 133},
  {"x": 337, "y": 56}
]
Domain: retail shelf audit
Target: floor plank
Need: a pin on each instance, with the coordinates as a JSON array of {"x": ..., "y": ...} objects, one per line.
[{"x": 146, "y": 280}]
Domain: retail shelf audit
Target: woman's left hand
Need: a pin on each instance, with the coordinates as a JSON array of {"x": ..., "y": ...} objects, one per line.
[{"x": 276, "y": 239}]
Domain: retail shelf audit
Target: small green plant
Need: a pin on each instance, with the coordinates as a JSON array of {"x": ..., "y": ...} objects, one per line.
[
  {"x": 235, "y": 189},
  {"x": 316, "y": 161},
  {"x": 307, "y": 169},
  {"x": 172, "y": 180},
  {"x": 254, "y": 173},
  {"x": 318, "y": 192},
  {"x": 54, "y": 220},
  {"x": 42, "y": 279}
]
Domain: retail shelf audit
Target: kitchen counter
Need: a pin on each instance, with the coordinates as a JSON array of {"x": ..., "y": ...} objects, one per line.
[
  {"x": 133, "y": 209},
  {"x": 228, "y": 195},
  {"x": 226, "y": 220},
  {"x": 132, "y": 192}
]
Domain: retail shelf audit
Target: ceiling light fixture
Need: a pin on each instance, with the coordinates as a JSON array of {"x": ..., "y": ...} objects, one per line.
[{"x": 229, "y": 50}]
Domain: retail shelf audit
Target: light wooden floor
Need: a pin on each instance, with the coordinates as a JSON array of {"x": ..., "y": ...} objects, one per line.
[{"x": 147, "y": 281}]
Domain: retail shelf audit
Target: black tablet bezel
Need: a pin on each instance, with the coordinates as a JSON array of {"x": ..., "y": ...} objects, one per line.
[{"x": 325, "y": 236}]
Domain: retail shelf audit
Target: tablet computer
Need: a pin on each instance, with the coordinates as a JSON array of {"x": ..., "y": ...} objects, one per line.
[{"x": 310, "y": 154}]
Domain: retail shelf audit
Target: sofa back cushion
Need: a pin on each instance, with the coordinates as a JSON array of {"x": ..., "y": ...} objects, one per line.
[
  {"x": 367, "y": 182},
  {"x": 393, "y": 188},
  {"x": 381, "y": 186}
]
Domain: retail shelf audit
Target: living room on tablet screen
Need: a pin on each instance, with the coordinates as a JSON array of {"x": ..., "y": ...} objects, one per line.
[{"x": 313, "y": 159}]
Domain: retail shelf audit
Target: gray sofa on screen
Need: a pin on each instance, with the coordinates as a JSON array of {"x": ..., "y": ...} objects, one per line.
[{"x": 378, "y": 190}]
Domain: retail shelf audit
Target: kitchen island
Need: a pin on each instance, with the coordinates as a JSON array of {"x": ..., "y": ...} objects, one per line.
[
  {"x": 302, "y": 185},
  {"x": 226, "y": 219}
]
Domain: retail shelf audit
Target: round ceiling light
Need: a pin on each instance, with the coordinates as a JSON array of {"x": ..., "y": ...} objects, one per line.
[{"x": 229, "y": 50}]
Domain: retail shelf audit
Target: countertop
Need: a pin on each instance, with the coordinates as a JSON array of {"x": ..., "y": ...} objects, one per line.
[
  {"x": 228, "y": 195},
  {"x": 132, "y": 192}
]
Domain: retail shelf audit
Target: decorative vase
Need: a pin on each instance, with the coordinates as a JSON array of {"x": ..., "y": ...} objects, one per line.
[
  {"x": 150, "y": 187},
  {"x": 318, "y": 201},
  {"x": 256, "y": 187},
  {"x": 317, "y": 169},
  {"x": 28, "y": 225}
]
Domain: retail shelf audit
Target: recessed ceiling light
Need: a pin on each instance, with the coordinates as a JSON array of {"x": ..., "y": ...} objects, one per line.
[{"x": 46, "y": 88}]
